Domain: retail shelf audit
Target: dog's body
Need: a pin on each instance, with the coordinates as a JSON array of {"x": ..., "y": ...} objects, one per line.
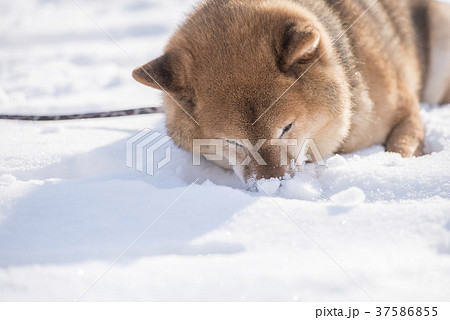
[{"x": 343, "y": 73}]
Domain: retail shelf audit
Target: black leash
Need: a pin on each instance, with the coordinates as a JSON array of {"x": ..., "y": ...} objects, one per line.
[{"x": 94, "y": 115}]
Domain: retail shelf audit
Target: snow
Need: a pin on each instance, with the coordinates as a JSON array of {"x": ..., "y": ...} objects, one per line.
[
  {"x": 69, "y": 207},
  {"x": 350, "y": 197}
]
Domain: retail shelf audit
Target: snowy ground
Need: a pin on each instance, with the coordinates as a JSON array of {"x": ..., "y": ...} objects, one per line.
[{"x": 69, "y": 206}]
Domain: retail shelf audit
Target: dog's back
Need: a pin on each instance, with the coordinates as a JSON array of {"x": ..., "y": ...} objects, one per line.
[{"x": 421, "y": 27}]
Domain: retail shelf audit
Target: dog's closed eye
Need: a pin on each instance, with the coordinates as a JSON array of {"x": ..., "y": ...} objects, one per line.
[
  {"x": 235, "y": 143},
  {"x": 286, "y": 129}
]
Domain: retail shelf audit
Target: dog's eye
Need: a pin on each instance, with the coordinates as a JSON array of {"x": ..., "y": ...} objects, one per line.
[
  {"x": 235, "y": 143},
  {"x": 286, "y": 129}
]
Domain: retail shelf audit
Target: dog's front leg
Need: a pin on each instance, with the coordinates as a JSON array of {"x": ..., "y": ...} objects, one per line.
[{"x": 406, "y": 138}]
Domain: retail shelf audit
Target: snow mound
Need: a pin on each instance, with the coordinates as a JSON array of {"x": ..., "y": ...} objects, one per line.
[{"x": 350, "y": 197}]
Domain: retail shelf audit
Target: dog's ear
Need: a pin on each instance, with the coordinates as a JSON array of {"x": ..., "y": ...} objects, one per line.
[
  {"x": 299, "y": 45},
  {"x": 161, "y": 73}
]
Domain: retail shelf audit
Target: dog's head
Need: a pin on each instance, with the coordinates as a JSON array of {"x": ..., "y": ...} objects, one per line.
[{"x": 250, "y": 73}]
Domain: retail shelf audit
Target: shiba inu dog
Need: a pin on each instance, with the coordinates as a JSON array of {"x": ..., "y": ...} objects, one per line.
[{"x": 345, "y": 73}]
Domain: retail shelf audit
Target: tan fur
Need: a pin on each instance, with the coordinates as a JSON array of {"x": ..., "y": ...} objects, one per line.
[
  {"x": 232, "y": 59},
  {"x": 437, "y": 90}
]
